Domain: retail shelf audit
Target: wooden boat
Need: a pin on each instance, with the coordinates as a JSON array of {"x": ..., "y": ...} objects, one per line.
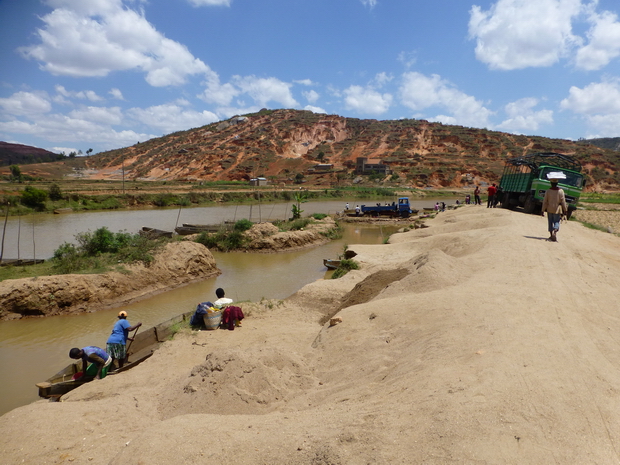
[
  {"x": 154, "y": 233},
  {"x": 20, "y": 262},
  {"x": 187, "y": 230},
  {"x": 143, "y": 346},
  {"x": 331, "y": 264}
]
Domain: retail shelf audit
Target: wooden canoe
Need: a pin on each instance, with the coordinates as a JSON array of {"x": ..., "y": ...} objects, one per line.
[
  {"x": 154, "y": 233},
  {"x": 143, "y": 346},
  {"x": 331, "y": 264}
]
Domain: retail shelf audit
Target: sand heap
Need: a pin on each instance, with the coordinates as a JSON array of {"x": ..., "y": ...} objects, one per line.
[{"x": 471, "y": 341}]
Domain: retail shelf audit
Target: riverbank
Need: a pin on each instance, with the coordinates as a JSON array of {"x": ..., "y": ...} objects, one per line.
[
  {"x": 177, "y": 264},
  {"x": 472, "y": 340}
]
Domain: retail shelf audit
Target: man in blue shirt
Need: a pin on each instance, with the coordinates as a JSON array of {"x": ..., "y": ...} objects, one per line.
[
  {"x": 94, "y": 355},
  {"x": 116, "y": 345}
]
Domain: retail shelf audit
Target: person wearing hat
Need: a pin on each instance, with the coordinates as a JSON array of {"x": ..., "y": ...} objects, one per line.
[
  {"x": 116, "y": 345},
  {"x": 554, "y": 204}
]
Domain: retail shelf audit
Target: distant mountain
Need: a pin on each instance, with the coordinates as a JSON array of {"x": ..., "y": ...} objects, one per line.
[
  {"x": 17, "y": 154},
  {"x": 611, "y": 143},
  {"x": 282, "y": 145}
]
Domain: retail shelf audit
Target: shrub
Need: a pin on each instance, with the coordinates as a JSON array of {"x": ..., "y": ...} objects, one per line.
[
  {"x": 346, "y": 265},
  {"x": 242, "y": 225},
  {"x": 33, "y": 197}
]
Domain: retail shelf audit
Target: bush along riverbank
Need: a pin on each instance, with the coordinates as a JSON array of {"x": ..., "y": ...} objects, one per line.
[{"x": 272, "y": 237}]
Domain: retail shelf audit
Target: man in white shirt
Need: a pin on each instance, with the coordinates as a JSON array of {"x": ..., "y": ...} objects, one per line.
[{"x": 221, "y": 302}]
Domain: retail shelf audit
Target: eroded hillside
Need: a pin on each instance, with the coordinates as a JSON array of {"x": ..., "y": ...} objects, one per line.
[{"x": 283, "y": 144}]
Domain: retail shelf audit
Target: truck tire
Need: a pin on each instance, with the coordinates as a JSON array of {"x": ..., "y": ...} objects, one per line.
[{"x": 530, "y": 204}]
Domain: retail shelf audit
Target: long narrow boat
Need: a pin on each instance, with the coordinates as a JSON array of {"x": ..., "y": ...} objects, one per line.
[
  {"x": 331, "y": 264},
  {"x": 144, "y": 344}
]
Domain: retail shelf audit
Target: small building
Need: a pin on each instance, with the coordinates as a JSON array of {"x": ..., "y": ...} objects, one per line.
[
  {"x": 258, "y": 182},
  {"x": 324, "y": 167},
  {"x": 364, "y": 165}
]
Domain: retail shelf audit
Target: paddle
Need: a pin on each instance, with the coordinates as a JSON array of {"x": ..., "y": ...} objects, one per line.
[{"x": 129, "y": 346}]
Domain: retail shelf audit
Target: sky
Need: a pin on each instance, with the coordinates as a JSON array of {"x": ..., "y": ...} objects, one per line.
[{"x": 104, "y": 74}]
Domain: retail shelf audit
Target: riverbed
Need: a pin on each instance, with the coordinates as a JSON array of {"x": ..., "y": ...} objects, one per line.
[{"x": 31, "y": 350}]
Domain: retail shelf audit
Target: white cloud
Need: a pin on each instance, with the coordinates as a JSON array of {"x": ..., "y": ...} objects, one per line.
[
  {"x": 210, "y": 2},
  {"x": 408, "y": 59},
  {"x": 101, "y": 115},
  {"x": 311, "y": 96},
  {"x": 116, "y": 94},
  {"x": 304, "y": 82},
  {"x": 604, "y": 42},
  {"x": 82, "y": 94},
  {"x": 522, "y": 118},
  {"x": 595, "y": 98},
  {"x": 420, "y": 92},
  {"x": 366, "y": 100},
  {"x": 314, "y": 109},
  {"x": 172, "y": 117},
  {"x": 61, "y": 128},
  {"x": 516, "y": 34},
  {"x": 369, "y": 3},
  {"x": 26, "y": 104},
  {"x": 598, "y": 104},
  {"x": 101, "y": 37},
  {"x": 263, "y": 90}
]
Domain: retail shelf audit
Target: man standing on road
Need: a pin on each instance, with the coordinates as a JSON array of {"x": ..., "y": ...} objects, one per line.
[
  {"x": 554, "y": 204},
  {"x": 492, "y": 190},
  {"x": 477, "y": 196}
]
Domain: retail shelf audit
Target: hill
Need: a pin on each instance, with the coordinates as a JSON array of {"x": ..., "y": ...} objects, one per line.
[
  {"x": 287, "y": 146},
  {"x": 284, "y": 144},
  {"x": 611, "y": 143},
  {"x": 17, "y": 154}
]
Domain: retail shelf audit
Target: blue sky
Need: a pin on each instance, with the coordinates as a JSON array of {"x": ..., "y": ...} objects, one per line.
[{"x": 104, "y": 74}]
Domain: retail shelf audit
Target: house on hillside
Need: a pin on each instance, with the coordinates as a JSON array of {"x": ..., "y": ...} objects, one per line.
[
  {"x": 365, "y": 165},
  {"x": 258, "y": 182}
]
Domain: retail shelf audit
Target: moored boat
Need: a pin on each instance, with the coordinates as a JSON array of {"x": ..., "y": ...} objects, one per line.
[
  {"x": 154, "y": 233},
  {"x": 144, "y": 344},
  {"x": 331, "y": 264}
]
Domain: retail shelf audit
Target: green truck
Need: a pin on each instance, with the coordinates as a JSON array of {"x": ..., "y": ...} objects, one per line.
[{"x": 524, "y": 181}]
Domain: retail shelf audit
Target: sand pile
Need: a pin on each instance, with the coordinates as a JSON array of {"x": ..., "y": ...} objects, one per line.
[{"x": 471, "y": 341}]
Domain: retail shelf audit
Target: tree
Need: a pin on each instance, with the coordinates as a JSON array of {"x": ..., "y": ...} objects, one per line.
[
  {"x": 299, "y": 178},
  {"x": 33, "y": 197},
  {"x": 89, "y": 151},
  {"x": 54, "y": 192},
  {"x": 16, "y": 173},
  {"x": 300, "y": 197}
]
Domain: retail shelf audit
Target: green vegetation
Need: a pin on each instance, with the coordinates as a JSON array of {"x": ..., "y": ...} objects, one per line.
[
  {"x": 102, "y": 250},
  {"x": 346, "y": 265}
]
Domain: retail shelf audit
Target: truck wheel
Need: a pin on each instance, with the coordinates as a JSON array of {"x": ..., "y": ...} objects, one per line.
[{"x": 530, "y": 204}]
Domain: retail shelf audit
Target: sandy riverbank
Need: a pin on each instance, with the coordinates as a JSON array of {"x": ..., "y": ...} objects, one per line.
[{"x": 471, "y": 341}]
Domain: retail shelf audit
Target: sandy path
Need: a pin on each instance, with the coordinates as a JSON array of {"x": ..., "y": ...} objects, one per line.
[{"x": 492, "y": 346}]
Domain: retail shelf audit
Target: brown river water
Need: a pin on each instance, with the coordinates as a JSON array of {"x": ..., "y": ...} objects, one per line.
[{"x": 31, "y": 350}]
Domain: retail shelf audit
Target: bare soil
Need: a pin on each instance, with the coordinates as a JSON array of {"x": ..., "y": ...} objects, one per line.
[{"x": 492, "y": 346}]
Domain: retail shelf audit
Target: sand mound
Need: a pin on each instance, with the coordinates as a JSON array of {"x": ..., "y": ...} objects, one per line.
[{"x": 235, "y": 381}]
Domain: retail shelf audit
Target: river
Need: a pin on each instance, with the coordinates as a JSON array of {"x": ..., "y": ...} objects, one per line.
[{"x": 33, "y": 349}]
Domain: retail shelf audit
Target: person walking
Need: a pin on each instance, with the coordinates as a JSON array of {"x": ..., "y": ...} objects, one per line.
[
  {"x": 116, "y": 345},
  {"x": 554, "y": 204}
]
